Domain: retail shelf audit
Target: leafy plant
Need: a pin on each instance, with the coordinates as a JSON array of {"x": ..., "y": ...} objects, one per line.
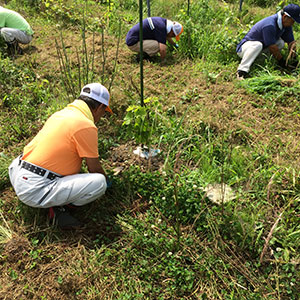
[
  {"x": 60, "y": 10},
  {"x": 22, "y": 96},
  {"x": 142, "y": 122},
  {"x": 215, "y": 40}
]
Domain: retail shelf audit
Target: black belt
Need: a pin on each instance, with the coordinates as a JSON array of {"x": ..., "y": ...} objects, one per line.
[{"x": 37, "y": 170}]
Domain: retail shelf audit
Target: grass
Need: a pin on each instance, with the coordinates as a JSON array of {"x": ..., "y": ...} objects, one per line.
[
  {"x": 156, "y": 234},
  {"x": 5, "y": 232}
]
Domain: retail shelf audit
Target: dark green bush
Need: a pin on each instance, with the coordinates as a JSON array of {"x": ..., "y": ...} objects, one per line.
[{"x": 262, "y": 3}]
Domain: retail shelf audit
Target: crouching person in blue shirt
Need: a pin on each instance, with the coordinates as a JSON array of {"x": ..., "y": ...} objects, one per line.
[
  {"x": 156, "y": 32},
  {"x": 271, "y": 34}
]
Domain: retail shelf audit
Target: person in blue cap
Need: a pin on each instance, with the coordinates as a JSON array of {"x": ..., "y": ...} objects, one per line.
[{"x": 270, "y": 34}]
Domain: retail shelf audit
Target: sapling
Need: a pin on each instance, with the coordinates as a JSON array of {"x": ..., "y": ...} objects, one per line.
[
  {"x": 84, "y": 73},
  {"x": 142, "y": 122}
]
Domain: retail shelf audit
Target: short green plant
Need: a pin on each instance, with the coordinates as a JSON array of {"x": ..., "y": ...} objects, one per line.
[
  {"x": 4, "y": 163},
  {"x": 279, "y": 89},
  {"x": 22, "y": 96},
  {"x": 62, "y": 11},
  {"x": 142, "y": 122},
  {"x": 36, "y": 4}
]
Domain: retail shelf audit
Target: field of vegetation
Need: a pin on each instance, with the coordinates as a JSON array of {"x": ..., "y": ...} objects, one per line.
[{"x": 157, "y": 233}]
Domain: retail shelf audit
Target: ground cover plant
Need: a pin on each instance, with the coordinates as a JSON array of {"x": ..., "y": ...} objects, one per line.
[{"x": 157, "y": 234}]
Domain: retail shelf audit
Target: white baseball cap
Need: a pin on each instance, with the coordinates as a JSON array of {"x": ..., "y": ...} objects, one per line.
[
  {"x": 97, "y": 92},
  {"x": 177, "y": 29}
]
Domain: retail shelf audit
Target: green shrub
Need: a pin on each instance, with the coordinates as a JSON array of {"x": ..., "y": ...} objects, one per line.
[
  {"x": 208, "y": 32},
  {"x": 262, "y": 3},
  {"x": 22, "y": 97}
]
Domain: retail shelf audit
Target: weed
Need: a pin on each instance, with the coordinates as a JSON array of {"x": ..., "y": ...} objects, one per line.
[
  {"x": 5, "y": 231},
  {"x": 22, "y": 96},
  {"x": 213, "y": 41},
  {"x": 4, "y": 163},
  {"x": 279, "y": 90}
]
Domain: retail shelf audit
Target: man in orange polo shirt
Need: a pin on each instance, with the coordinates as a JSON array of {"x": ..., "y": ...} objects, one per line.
[{"x": 47, "y": 175}]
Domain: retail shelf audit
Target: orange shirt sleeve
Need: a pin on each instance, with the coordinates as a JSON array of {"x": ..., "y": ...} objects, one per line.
[{"x": 86, "y": 142}]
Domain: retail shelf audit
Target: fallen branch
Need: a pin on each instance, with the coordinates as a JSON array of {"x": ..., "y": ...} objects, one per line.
[
  {"x": 270, "y": 185},
  {"x": 292, "y": 53},
  {"x": 134, "y": 85},
  {"x": 269, "y": 237}
]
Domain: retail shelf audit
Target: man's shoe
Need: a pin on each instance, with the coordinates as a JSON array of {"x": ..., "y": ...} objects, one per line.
[
  {"x": 13, "y": 48},
  {"x": 71, "y": 207},
  {"x": 61, "y": 217},
  {"x": 241, "y": 75},
  {"x": 145, "y": 56}
]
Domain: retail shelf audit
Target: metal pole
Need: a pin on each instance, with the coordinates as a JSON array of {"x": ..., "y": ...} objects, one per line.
[
  {"x": 241, "y": 4},
  {"x": 188, "y": 10},
  {"x": 141, "y": 52},
  {"x": 148, "y": 6}
]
